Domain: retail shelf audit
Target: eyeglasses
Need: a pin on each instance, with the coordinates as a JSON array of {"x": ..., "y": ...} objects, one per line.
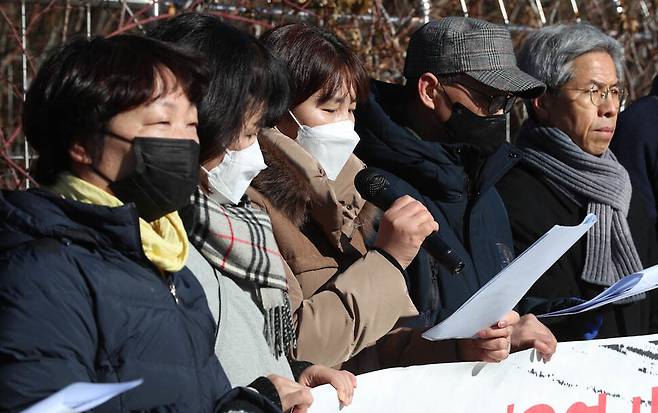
[
  {"x": 496, "y": 102},
  {"x": 598, "y": 94}
]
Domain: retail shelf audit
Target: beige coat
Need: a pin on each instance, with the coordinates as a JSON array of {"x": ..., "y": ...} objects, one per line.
[{"x": 344, "y": 298}]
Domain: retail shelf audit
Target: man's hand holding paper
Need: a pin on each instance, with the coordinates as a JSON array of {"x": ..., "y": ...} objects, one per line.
[{"x": 529, "y": 332}]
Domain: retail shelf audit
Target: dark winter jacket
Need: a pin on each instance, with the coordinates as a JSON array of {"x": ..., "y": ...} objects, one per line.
[
  {"x": 636, "y": 146},
  {"x": 471, "y": 215},
  {"x": 79, "y": 301},
  {"x": 535, "y": 206}
]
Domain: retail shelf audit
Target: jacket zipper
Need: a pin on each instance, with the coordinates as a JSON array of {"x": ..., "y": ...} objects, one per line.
[{"x": 172, "y": 287}]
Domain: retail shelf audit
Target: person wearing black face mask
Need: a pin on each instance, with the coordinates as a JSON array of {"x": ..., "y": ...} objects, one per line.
[
  {"x": 445, "y": 133},
  {"x": 93, "y": 278},
  {"x": 473, "y": 135},
  {"x": 484, "y": 133},
  {"x": 164, "y": 175}
]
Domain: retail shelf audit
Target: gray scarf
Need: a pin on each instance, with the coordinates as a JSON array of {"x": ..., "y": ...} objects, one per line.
[{"x": 599, "y": 182}]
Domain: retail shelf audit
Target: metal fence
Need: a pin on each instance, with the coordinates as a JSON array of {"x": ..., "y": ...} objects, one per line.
[{"x": 378, "y": 29}]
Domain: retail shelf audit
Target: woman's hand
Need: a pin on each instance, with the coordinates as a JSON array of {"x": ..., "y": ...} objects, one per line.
[
  {"x": 403, "y": 228},
  {"x": 343, "y": 381},
  {"x": 493, "y": 344},
  {"x": 293, "y": 395}
]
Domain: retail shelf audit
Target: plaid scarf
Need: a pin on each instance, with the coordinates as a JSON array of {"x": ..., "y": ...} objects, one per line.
[{"x": 238, "y": 241}]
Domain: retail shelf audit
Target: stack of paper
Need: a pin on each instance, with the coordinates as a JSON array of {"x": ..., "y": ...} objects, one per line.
[
  {"x": 80, "y": 397},
  {"x": 499, "y": 296},
  {"x": 628, "y": 286}
]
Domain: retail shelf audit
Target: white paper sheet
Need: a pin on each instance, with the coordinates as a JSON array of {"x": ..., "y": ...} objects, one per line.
[
  {"x": 499, "y": 296},
  {"x": 630, "y": 285},
  {"x": 80, "y": 397}
]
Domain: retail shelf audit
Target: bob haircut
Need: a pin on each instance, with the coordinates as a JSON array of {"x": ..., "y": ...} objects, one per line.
[
  {"x": 244, "y": 78},
  {"x": 317, "y": 60},
  {"x": 83, "y": 84}
]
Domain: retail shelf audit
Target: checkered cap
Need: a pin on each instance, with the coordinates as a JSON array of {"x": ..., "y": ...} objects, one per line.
[{"x": 474, "y": 47}]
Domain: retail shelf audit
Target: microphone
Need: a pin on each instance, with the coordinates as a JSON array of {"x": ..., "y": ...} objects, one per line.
[{"x": 382, "y": 189}]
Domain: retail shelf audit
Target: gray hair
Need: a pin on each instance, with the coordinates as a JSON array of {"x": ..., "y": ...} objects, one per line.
[{"x": 548, "y": 53}]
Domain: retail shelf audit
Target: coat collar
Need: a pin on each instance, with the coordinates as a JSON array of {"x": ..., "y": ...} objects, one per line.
[
  {"x": 295, "y": 183},
  {"x": 434, "y": 168},
  {"x": 38, "y": 213}
]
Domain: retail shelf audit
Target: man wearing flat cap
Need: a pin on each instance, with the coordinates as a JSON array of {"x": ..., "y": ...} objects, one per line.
[{"x": 444, "y": 132}]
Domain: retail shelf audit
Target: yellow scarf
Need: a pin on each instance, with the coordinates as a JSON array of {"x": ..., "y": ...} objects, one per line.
[{"x": 164, "y": 241}]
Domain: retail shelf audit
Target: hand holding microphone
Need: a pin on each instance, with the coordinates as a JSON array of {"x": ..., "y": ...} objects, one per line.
[
  {"x": 406, "y": 220},
  {"x": 403, "y": 228}
]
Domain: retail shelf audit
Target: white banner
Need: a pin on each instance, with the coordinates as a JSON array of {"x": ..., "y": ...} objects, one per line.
[{"x": 615, "y": 376}]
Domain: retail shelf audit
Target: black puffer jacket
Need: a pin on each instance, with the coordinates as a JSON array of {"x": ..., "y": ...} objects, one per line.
[{"x": 79, "y": 301}]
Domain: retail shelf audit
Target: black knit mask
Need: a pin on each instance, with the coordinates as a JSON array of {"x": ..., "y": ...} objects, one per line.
[
  {"x": 486, "y": 133},
  {"x": 165, "y": 175}
]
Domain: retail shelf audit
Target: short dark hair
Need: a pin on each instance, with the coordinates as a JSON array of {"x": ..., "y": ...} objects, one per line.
[
  {"x": 83, "y": 84},
  {"x": 317, "y": 60},
  {"x": 245, "y": 78}
]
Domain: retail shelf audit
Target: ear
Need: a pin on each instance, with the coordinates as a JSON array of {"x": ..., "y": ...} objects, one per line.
[
  {"x": 79, "y": 154},
  {"x": 428, "y": 89},
  {"x": 540, "y": 107}
]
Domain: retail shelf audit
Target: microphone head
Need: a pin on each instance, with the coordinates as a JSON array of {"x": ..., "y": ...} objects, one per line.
[
  {"x": 382, "y": 188},
  {"x": 370, "y": 182}
]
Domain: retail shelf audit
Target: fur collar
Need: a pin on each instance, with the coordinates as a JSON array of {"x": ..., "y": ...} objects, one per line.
[{"x": 286, "y": 184}]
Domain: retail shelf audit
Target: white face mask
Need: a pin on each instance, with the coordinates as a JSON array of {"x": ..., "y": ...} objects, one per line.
[
  {"x": 331, "y": 144},
  {"x": 229, "y": 180}
]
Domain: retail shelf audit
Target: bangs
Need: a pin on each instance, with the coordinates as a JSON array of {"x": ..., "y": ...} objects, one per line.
[
  {"x": 165, "y": 82},
  {"x": 145, "y": 78},
  {"x": 81, "y": 85},
  {"x": 345, "y": 78},
  {"x": 317, "y": 61},
  {"x": 245, "y": 79}
]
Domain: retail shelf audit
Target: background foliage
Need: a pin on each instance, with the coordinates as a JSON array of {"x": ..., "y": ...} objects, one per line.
[{"x": 378, "y": 29}]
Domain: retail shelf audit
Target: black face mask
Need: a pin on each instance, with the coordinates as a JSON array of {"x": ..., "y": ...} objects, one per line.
[
  {"x": 165, "y": 175},
  {"x": 485, "y": 133}
]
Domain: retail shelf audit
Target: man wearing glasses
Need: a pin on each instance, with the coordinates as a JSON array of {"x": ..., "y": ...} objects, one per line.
[
  {"x": 444, "y": 132},
  {"x": 568, "y": 171}
]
